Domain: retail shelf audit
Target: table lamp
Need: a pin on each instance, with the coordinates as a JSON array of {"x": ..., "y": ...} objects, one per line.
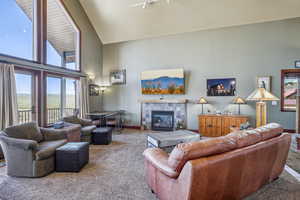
[
  {"x": 202, "y": 101},
  {"x": 261, "y": 95},
  {"x": 239, "y": 101}
]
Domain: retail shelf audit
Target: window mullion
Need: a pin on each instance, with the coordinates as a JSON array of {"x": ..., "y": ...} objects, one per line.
[{"x": 63, "y": 96}]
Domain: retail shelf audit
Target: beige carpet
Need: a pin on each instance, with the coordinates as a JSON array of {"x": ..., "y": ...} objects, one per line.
[{"x": 114, "y": 172}]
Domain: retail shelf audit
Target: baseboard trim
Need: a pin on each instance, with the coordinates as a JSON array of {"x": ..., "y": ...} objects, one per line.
[
  {"x": 132, "y": 127},
  {"x": 289, "y": 130},
  {"x": 193, "y": 130},
  {"x": 197, "y": 131}
]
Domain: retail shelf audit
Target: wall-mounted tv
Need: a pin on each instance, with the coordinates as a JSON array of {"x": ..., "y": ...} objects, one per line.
[{"x": 163, "y": 82}]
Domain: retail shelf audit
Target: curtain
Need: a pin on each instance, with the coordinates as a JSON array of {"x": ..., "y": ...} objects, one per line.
[
  {"x": 83, "y": 97},
  {"x": 8, "y": 96}
]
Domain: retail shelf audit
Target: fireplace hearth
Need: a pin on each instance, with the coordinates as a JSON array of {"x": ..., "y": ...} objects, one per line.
[{"x": 162, "y": 120}]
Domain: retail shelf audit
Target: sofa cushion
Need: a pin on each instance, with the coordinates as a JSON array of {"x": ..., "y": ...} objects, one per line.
[
  {"x": 29, "y": 131},
  {"x": 87, "y": 130},
  {"x": 47, "y": 149},
  {"x": 72, "y": 119},
  {"x": 189, "y": 151},
  {"x": 270, "y": 130},
  {"x": 245, "y": 138}
]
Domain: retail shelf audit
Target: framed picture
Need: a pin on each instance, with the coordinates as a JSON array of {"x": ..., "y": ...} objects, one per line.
[
  {"x": 297, "y": 64},
  {"x": 221, "y": 87},
  {"x": 264, "y": 82},
  {"x": 163, "y": 82},
  {"x": 289, "y": 86},
  {"x": 94, "y": 90},
  {"x": 118, "y": 77}
]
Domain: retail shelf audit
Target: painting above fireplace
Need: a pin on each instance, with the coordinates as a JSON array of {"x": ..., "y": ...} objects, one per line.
[
  {"x": 163, "y": 82},
  {"x": 162, "y": 120}
]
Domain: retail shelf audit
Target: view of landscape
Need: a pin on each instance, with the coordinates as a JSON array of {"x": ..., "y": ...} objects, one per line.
[{"x": 17, "y": 40}]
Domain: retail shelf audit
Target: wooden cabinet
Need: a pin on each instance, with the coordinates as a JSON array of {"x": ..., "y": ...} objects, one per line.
[{"x": 219, "y": 125}]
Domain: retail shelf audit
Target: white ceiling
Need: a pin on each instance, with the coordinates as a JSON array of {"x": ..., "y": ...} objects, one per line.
[{"x": 116, "y": 21}]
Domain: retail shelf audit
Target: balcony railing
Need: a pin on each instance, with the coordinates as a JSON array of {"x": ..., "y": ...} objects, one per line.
[
  {"x": 53, "y": 115},
  {"x": 24, "y": 116}
]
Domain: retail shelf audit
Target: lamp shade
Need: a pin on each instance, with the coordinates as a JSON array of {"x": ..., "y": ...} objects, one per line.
[
  {"x": 261, "y": 94},
  {"x": 202, "y": 101},
  {"x": 238, "y": 100}
]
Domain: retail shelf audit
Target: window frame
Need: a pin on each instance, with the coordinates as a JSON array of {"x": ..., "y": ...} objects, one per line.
[
  {"x": 40, "y": 37},
  {"x": 62, "y": 78},
  {"x": 78, "y": 35}
]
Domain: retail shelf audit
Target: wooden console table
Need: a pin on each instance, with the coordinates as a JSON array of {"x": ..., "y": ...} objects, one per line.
[{"x": 219, "y": 125}]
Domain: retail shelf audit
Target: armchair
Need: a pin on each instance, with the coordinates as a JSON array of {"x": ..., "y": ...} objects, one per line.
[
  {"x": 87, "y": 127},
  {"x": 29, "y": 151}
]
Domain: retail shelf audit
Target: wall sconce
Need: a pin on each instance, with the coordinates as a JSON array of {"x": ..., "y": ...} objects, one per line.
[
  {"x": 91, "y": 77},
  {"x": 102, "y": 89}
]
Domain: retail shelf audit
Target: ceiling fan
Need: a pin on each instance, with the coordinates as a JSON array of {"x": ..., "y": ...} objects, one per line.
[{"x": 147, "y": 3}]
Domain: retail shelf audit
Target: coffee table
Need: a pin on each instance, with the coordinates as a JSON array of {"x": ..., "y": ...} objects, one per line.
[{"x": 168, "y": 140}]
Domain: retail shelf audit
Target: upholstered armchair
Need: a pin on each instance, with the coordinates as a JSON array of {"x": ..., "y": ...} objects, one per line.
[
  {"x": 86, "y": 127},
  {"x": 29, "y": 151}
]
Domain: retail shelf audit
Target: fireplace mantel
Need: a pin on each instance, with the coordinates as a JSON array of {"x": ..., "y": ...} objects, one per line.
[{"x": 175, "y": 101}]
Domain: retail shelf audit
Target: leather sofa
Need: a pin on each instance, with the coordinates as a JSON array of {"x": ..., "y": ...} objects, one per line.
[
  {"x": 87, "y": 127},
  {"x": 227, "y": 167},
  {"x": 29, "y": 151}
]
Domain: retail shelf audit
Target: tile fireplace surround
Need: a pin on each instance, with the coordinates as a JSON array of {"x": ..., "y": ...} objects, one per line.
[{"x": 177, "y": 106}]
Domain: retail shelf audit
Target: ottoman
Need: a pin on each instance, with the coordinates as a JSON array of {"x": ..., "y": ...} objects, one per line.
[
  {"x": 102, "y": 135},
  {"x": 72, "y": 156}
]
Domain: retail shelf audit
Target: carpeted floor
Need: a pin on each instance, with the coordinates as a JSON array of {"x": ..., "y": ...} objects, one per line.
[{"x": 114, "y": 172}]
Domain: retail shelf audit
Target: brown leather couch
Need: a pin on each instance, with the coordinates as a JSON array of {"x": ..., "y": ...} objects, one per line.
[{"x": 227, "y": 167}]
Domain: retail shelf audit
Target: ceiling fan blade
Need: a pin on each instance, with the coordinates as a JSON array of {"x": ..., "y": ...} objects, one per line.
[
  {"x": 137, "y": 4},
  {"x": 145, "y": 4}
]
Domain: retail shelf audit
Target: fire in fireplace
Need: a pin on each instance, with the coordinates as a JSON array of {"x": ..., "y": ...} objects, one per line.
[{"x": 162, "y": 120}]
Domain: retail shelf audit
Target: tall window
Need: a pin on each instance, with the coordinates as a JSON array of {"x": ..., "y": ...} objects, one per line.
[
  {"x": 54, "y": 92},
  {"x": 25, "y": 84},
  {"x": 16, "y": 32},
  {"x": 61, "y": 98},
  {"x": 62, "y": 37},
  {"x": 22, "y": 32}
]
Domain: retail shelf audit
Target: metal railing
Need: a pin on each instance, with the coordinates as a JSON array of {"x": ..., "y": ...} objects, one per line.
[
  {"x": 53, "y": 115},
  {"x": 24, "y": 116}
]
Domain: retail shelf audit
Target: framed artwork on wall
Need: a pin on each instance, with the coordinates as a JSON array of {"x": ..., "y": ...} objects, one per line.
[
  {"x": 297, "y": 64},
  {"x": 163, "y": 82},
  {"x": 117, "y": 77},
  {"x": 94, "y": 90},
  {"x": 221, "y": 87},
  {"x": 264, "y": 82},
  {"x": 289, "y": 86}
]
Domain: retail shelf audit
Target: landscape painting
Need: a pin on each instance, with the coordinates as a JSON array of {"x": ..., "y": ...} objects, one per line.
[
  {"x": 221, "y": 87},
  {"x": 163, "y": 82}
]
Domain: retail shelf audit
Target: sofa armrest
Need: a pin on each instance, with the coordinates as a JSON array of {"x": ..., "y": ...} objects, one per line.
[
  {"x": 159, "y": 159},
  {"x": 19, "y": 143},
  {"x": 85, "y": 122},
  {"x": 50, "y": 134}
]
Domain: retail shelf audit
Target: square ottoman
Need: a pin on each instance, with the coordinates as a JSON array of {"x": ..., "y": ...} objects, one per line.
[
  {"x": 72, "y": 156},
  {"x": 102, "y": 135}
]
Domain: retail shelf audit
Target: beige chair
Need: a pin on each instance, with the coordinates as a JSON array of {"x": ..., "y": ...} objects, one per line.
[{"x": 29, "y": 151}]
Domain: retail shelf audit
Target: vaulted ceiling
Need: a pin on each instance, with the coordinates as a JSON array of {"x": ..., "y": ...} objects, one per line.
[{"x": 117, "y": 21}]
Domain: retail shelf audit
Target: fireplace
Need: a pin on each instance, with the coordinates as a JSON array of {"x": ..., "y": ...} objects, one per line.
[{"x": 162, "y": 120}]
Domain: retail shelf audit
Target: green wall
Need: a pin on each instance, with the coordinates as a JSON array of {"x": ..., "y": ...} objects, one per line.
[{"x": 242, "y": 52}]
